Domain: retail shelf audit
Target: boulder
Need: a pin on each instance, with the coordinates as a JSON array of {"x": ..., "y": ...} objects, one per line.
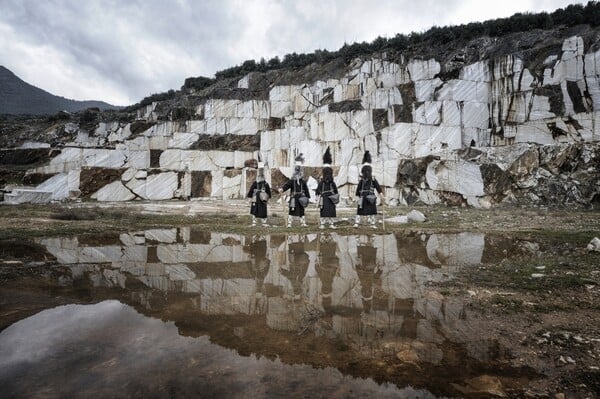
[
  {"x": 594, "y": 245},
  {"x": 415, "y": 216}
]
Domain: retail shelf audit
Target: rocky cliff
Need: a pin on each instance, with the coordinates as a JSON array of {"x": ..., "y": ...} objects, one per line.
[{"x": 493, "y": 120}]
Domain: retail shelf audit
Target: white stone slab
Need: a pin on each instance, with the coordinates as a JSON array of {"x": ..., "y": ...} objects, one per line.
[
  {"x": 477, "y": 72},
  {"x": 166, "y": 128},
  {"x": 397, "y": 141},
  {"x": 69, "y": 158},
  {"x": 182, "y": 140},
  {"x": 167, "y": 236},
  {"x": 507, "y": 66},
  {"x": 103, "y": 158},
  {"x": 257, "y": 109},
  {"x": 451, "y": 113},
  {"x": 220, "y": 108},
  {"x": 137, "y": 159},
  {"x": 281, "y": 93},
  {"x": 114, "y": 191},
  {"x": 174, "y": 159},
  {"x": 27, "y": 196},
  {"x": 158, "y": 142},
  {"x": 58, "y": 185},
  {"x": 481, "y": 137},
  {"x": 280, "y": 109},
  {"x": 344, "y": 92},
  {"x": 160, "y": 186},
  {"x": 572, "y": 47},
  {"x": 593, "y": 83},
  {"x": 217, "y": 183},
  {"x": 313, "y": 152},
  {"x": 128, "y": 174},
  {"x": 429, "y": 113},
  {"x": 421, "y": 69},
  {"x": 231, "y": 187},
  {"x": 34, "y": 144},
  {"x": 533, "y": 132},
  {"x": 381, "y": 98},
  {"x": 540, "y": 108},
  {"x": 475, "y": 115},
  {"x": 455, "y": 176},
  {"x": 435, "y": 139},
  {"x": 464, "y": 90},
  {"x": 425, "y": 89}
]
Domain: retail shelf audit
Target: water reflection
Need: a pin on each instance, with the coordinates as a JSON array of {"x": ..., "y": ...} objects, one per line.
[
  {"x": 66, "y": 352},
  {"x": 372, "y": 286},
  {"x": 360, "y": 303}
]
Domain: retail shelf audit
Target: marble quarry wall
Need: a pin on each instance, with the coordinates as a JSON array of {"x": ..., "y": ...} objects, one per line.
[{"x": 458, "y": 139}]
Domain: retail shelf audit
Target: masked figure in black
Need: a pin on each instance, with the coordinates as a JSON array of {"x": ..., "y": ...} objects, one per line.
[
  {"x": 299, "y": 193},
  {"x": 328, "y": 193},
  {"x": 366, "y": 191},
  {"x": 259, "y": 194}
]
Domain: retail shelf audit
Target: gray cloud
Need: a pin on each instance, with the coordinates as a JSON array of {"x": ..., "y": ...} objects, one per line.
[{"x": 122, "y": 51}]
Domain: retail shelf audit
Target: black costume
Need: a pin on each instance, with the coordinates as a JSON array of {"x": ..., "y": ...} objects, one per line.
[
  {"x": 326, "y": 188},
  {"x": 259, "y": 207},
  {"x": 367, "y": 187},
  {"x": 298, "y": 188},
  {"x": 365, "y": 191}
]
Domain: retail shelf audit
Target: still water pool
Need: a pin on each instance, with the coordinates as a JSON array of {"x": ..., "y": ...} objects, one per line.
[{"x": 185, "y": 313}]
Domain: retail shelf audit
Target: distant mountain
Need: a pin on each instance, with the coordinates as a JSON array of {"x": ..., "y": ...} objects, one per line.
[{"x": 19, "y": 97}]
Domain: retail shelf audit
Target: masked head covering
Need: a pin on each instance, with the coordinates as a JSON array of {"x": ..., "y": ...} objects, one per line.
[
  {"x": 366, "y": 170},
  {"x": 298, "y": 168},
  {"x": 327, "y": 170},
  {"x": 260, "y": 173}
]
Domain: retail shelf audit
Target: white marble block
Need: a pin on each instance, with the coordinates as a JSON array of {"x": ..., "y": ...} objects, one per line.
[
  {"x": 436, "y": 139},
  {"x": 476, "y": 115},
  {"x": 114, "y": 191},
  {"x": 429, "y": 113},
  {"x": 182, "y": 140},
  {"x": 421, "y": 69},
  {"x": 477, "y": 72},
  {"x": 425, "y": 89},
  {"x": 456, "y": 176},
  {"x": 160, "y": 186}
]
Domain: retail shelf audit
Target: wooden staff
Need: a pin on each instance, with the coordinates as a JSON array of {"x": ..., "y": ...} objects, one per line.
[{"x": 383, "y": 212}]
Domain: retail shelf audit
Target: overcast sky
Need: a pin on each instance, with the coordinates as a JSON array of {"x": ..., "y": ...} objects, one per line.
[{"x": 122, "y": 51}]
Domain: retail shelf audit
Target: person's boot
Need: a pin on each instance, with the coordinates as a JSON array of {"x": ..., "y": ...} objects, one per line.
[
  {"x": 331, "y": 223},
  {"x": 372, "y": 222},
  {"x": 322, "y": 223},
  {"x": 303, "y": 221},
  {"x": 264, "y": 222},
  {"x": 356, "y": 220},
  {"x": 253, "y": 221},
  {"x": 289, "y": 223}
]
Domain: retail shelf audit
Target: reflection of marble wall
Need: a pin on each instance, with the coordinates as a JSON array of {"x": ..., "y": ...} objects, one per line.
[{"x": 359, "y": 283}]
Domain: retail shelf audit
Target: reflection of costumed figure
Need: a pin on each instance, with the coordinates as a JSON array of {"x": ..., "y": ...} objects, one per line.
[
  {"x": 299, "y": 193},
  {"x": 260, "y": 193},
  {"x": 311, "y": 283},
  {"x": 325, "y": 189},
  {"x": 365, "y": 191}
]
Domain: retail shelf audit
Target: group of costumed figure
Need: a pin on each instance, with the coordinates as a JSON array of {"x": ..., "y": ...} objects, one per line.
[{"x": 327, "y": 194}]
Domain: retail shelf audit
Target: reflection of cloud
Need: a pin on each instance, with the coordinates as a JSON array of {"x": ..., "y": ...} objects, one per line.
[{"x": 109, "y": 349}]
